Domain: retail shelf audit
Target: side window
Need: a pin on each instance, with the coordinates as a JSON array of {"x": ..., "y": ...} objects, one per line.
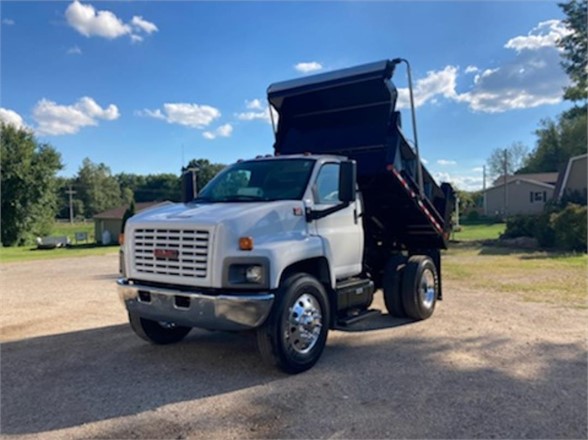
[{"x": 327, "y": 184}]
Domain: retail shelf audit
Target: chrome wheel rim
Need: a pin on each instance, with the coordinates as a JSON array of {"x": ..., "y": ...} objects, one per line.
[
  {"x": 303, "y": 325},
  {"x": 427, "y": 289}
]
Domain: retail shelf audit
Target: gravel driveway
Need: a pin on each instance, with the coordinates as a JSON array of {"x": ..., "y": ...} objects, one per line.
[{"x": 486, "y": 365}]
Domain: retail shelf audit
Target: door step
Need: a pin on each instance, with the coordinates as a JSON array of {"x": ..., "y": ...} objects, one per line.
[{"x": 353, "y": 318}]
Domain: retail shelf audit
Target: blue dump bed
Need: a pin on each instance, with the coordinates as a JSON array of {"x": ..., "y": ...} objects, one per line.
[{"x": 352, "y": 112}]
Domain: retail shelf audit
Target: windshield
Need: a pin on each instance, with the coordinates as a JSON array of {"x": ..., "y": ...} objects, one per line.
[{"x": 259, "y": 180}]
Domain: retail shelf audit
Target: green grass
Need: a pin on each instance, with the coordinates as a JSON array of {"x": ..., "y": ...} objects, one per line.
[
  {"x": 535, "y": 276},
  {"x": 28, "y": 253},
  {"x": 61, "y": 229},
  {"x": 479, "y": 232}
]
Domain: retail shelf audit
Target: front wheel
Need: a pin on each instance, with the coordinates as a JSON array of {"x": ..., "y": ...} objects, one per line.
[
  {"x": 157, "y": 332},
  {"x": 295, "y": 334}
]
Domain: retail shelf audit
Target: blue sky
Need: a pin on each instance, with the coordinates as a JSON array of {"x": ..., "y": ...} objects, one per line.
[{"x": 140, "y": 85}]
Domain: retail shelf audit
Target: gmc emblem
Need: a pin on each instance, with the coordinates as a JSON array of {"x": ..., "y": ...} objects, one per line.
[{"x": 166, "y": 254}]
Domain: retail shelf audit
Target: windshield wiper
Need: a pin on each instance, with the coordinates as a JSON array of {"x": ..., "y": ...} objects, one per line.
[
  {"x": 202, "y": 199},
  {"x": 241, "y": 198}
]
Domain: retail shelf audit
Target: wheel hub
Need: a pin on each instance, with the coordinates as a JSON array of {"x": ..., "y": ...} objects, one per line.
[
  {"x": 427, "y": 288},
  {"x": 304, "y": 324}
]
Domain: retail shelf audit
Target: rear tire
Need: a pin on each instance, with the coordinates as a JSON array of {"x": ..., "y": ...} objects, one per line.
[
  {"x": 420, "y": 287},
  {"x": 392, "y": 286},
  {"x": 295, "y": 334},
  {"x": 155, "y": 332}
]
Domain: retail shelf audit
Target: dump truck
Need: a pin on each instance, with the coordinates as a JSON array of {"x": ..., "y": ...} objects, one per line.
[{"x": 296, "y": 243}]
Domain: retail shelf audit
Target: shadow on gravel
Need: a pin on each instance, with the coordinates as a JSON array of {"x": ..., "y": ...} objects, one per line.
[
  {"x": 388, "y": 386},
  {"x": 65, "y": 380}
]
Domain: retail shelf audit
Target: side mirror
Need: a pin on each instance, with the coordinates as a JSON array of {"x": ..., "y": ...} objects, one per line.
[
  {"x": 347, "y": 181},
  {"x": 189, "y": 189}
]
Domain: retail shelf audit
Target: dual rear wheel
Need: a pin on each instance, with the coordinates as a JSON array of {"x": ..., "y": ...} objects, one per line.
[{"x": 411, "y": 287}]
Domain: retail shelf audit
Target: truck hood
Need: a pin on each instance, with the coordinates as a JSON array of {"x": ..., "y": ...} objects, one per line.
[{"x": 261, "y": 220}]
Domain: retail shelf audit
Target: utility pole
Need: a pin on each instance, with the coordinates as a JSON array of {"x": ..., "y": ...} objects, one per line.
[
  {"x": 70, "y": 192},
  {"x": 505, "y": 183},
  {"x": 484, "y": 188}
]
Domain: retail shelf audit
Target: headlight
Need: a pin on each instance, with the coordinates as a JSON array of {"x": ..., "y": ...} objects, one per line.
[
  {"x": 254, "y": 274},
  {"x": 246, "y": 273}
]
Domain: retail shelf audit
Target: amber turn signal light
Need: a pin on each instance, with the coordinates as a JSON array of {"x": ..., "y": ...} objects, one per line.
[{"x": 246, "y": 243}]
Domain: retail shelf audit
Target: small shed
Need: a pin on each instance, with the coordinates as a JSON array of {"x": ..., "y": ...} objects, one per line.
[{"x": 108, "y": 224}]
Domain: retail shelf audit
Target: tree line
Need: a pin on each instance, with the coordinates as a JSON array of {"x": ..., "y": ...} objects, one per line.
[
  {"x": 32, "y": 195},
  {"x": 95, "y": 189}
]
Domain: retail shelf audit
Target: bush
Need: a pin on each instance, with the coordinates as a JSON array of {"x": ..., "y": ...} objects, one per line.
[
  {"x": 569, "y": 226},
  {"x": 564, "y": 228},
  {"x": 473, "y": 216},
  {"x": 520, "y": 226},
  {"x": 543, "y": 230}
]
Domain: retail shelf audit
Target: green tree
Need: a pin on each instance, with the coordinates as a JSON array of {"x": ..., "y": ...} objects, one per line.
[
  {"x": 97, "y": 188},
  {"x": 207, "y": 170},
  {"x": 129, "y": 212},
  {"x": 575, "y": 48},
  {"x": 152, "y": 187},
  {"x": 28, "y": 185},
  {"x": 516, "y": 156},
  {"x": 556, "y": 143}
]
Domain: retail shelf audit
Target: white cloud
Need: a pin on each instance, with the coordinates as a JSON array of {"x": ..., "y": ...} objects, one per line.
[
  {"x": 75, "y": 50},
  {"x": 254, "y": 104},
  {"x": 223, "y": 131},
  {"x": 545, "y": 34},
  {"x": 54, "y": 119},
  {"x": 253, "y": 116},
  {"x": 92, "y": 23},
  {"x": 478, "y": 169},
  {"x": 259, "y": 111},
  {"x": 463, "y": 182},
  {"x": 445, "y": 162},
  {"x": 309, "y": 67},
  {"x": 10, "y": 117},
  {"x": 144, "y": 25},
  {"x": 435, "y": 84},
  {"x": 530, "y": 78},
  {"x": 89, "y": 22},
  {"x": 8, "y": 22},
  {"x": 533, "y": 77},
  {"x": 190, "y": 115}
]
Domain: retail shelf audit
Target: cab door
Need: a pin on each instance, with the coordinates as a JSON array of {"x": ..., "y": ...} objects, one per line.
[{"x": 341, "y": 231}]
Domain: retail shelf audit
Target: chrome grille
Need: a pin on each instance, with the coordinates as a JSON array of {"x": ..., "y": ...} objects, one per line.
[{"x": 189, "y": 249}]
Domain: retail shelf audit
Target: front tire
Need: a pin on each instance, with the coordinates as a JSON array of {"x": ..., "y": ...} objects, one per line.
[
  {"x": 295, "y": 334},
  {"x": 420, "y": 287},
  {"x": 155, "y": 332}
]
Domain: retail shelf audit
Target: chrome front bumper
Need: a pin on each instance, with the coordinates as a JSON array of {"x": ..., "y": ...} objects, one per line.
[{"x": 216, "y": 312}]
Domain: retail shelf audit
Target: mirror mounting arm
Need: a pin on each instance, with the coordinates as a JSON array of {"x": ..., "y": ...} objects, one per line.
[{"x": 316, "y": 215}]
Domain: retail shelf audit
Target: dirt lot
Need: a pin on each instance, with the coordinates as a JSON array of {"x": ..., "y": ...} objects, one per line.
[{"x": 489, "y": 364}]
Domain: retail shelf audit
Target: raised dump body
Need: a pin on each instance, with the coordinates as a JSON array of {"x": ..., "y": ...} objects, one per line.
[{"x": 352, "y": 112}]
